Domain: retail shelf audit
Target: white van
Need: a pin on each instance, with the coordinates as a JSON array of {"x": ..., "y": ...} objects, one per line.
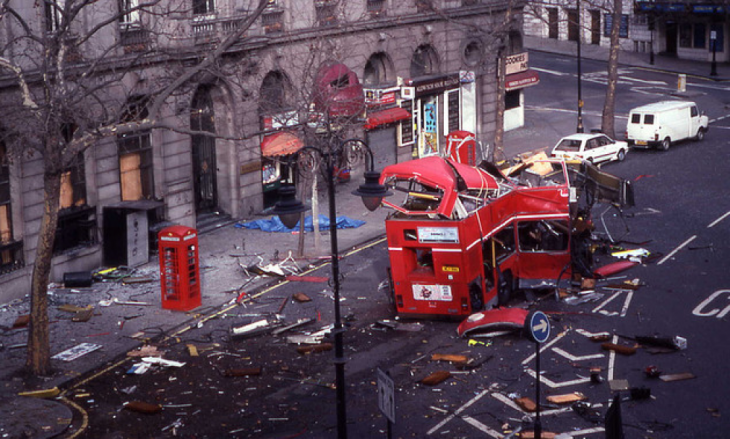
[{"x": 662, "y": 123}]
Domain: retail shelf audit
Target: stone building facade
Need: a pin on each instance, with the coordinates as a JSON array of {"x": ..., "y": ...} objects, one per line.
[{"x": 426, "y": 68}]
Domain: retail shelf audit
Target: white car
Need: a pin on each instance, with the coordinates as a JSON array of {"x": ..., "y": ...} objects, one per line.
[{"x": 593, "y": 147}]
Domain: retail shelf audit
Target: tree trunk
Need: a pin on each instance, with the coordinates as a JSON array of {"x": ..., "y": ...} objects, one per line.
[
  {"x": 607, "y": 119},
  {"x": 39, "y": 349}
]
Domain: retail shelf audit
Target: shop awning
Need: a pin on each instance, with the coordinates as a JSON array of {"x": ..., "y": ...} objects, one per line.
[
  {"x": 524, "y": 79},
  {"x": 280, "y": 144},
  {"x": 383, "y": 117}
]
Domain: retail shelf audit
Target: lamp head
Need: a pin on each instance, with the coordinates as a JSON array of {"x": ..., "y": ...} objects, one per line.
[
  {"x": 372, "y": 192},
  {"x": 288, "y": 208}
]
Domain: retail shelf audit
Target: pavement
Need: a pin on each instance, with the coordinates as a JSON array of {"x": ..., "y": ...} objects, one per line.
[{"x": 127, "y": 307}]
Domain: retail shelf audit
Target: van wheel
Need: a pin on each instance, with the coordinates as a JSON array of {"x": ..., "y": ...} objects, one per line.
[
  {"x": 700, "y": 135},
  {"x": 666, "y": 143},
  {"x": 621, "y": 155}
]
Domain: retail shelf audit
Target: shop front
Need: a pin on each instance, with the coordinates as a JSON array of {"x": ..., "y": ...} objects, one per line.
[{"x": 517, "y": 77}]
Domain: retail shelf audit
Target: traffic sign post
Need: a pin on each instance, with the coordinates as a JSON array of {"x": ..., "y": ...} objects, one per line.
[
  {"x": 537, "y": 327},
  {"x": 386, "y": 398}
]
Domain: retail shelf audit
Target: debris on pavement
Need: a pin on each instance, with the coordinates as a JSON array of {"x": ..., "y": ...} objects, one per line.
[
  {"x": 242, "y": 372},
  {"x": 493, "y": 319},
  {"x": 143, "y": 407},
  {"x": 42, "y": 393},
  {"x": 145, "y": 351},
  {"x": 526, "y": 403},
  {"x": 452, "y": 358},
  {"x": 619, "y": 349},
  {"x": 677, "y": 376},
  {"x": 436, "y": 378},
  {"x": 76, "y": 351},
  {"x": 323, "y": 347},
  {"x": 567, "y": 398},
  {"x": 301, "y": 297}
]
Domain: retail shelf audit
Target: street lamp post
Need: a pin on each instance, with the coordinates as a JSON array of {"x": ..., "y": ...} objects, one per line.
[
  {"x": 651, "y": 40},
  {"x": 713, "y": 40},
  {"x": 289, "y": 210},
  {"x": 579, "y": 129}
]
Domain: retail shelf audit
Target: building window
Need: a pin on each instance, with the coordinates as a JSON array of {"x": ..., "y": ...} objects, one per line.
[
  {"x": 55, "y": 12},
  {"x": 11, "y": 251},
  {"x": 376, "y": 70},
  {"x": 326, "y": 12},
  {"x": 552, "y": 23},
  {"x": 272, "y": 21},
  {"x": 135, "y": 157},
  {"x": 129, "y": 15},
  {"x": 699, "y": 36},
  {"x": 511, "y": 99},
  {"x": 424, "y": 62},
  {"x": 203, "y": 7},
  {"x": 623, "y": 31},
  {"x": 685, "y": 35},
  {"x": 376, "y": 7}
]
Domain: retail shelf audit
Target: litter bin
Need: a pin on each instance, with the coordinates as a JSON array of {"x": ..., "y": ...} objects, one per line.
[{"x": 179, "y": 270}]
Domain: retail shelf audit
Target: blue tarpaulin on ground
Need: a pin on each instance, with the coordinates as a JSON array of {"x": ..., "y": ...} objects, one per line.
[{"x": 274, "y": 224}]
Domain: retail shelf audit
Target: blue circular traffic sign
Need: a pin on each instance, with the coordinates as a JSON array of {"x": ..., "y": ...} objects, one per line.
[{"x": 538, "y": 326}]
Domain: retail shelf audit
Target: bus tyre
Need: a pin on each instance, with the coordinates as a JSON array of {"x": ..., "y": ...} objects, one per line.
[{"x": 505, "y": 289}]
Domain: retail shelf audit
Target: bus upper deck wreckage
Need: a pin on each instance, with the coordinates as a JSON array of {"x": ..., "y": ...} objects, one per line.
[{"x": 464, "y": 238}]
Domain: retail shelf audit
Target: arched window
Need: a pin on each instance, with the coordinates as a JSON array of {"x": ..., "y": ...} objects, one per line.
[
  {"x": 377, "y": 70},
  {"x": 424, "y": 61},
  {"x": 202, "y": 118}
]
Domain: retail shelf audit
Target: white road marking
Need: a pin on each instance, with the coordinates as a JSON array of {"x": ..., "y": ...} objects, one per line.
[
  {"x": 459, "y": 410},
  {"x": 673, "y": 252},
  {"x": 552, "y": 72},
  {"x": 479, "y": 426},
  {"x": 572, "y": 357},
  {"x": 612, "y": 359},
  {"x": 606, "y": 302},
  {"x": 714, "y": 223}
]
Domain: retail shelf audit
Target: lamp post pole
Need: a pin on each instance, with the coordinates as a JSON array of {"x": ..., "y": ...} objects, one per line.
[
  {"x": 338, "y": 330},
  {"x": 579, "y": 129},
  {"x": 713, "y": 40},
  {"x": 289, "y": 208}
]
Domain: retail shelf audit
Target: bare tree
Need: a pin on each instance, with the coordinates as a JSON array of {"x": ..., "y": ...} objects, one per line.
[
  {"x": 65, "y": 93},
  {"x": 614, "y": 8},
  {"x": 609, "y": 105}
]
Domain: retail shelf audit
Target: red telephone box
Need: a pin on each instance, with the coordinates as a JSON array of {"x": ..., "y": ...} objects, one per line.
[{"x": 179, "y": 269}]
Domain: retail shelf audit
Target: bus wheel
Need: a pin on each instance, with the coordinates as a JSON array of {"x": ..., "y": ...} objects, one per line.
[
  {"x": 505, "y": 289},
  {"x": 475, "y": 297}
]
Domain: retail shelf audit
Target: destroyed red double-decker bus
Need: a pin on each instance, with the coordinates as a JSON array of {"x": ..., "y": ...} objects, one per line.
[{"x": 465, "y": 238}]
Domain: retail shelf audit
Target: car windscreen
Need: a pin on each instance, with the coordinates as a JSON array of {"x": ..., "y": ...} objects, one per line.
[{"x": 568, "y": 145}]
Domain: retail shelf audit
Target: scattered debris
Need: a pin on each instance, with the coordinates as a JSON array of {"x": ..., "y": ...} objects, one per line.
[
  {"x": 143, "y": 407},
  {"x": 453, "y": 358},
  {"x": 587, "y": 412},
  {"x": 76, "y": 351},
  {"x": 22, "y": 321},
  {"x": 257, "y": 327},
  {"x": 301, "y": 297},
  {"x": 677, "y": 376},
  {"x": 493, "y": 319},
  {"x": 619, "y": 349},
  {"x": 567, "y": 398},
  {"x": 399, "y": 326},
  {"x": 145, "y": 351},
  {"x": 83, "y": 315},
  {"x": 436, "y": 378},
  {"x": 314, "y": 348},
  {"x": 298, "y": 323},
  {"x": 526, "y": 403},
  {"x": 245, "y": 372},
  {"x": 673, "y": 343},
  {"x": 652, "y": 372},
  {"x": 639, "y": 393},
  {"x": 43, "y": 393},
  {"x": 473, "y": 342},
  {"x": 162, "y": 362}
]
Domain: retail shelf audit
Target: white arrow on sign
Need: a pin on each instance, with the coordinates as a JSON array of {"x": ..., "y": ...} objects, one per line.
[{"x": 542, "y": 326}]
